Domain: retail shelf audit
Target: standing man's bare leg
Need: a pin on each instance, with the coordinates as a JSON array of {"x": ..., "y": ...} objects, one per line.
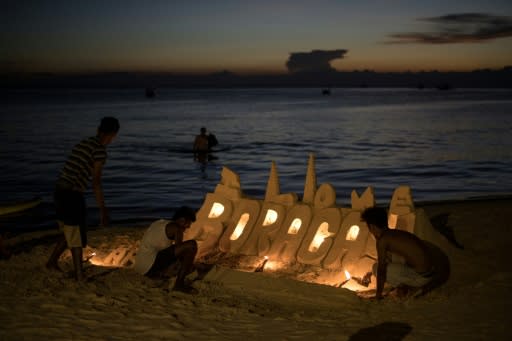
[
  {"x": 57, "y": 252},
  {"x": 76, "y": 252}
]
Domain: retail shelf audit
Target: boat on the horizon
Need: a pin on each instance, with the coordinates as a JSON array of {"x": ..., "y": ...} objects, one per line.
[
  {"x": 150, "y": 92},
  {"x": 444, "y": 86}
]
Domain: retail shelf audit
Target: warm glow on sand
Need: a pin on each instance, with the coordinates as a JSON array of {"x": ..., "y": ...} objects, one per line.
[
  {"x": 95, "y": 260},
  {"x": 273, "y": 265},
  {"x": 261, "y": 266}
]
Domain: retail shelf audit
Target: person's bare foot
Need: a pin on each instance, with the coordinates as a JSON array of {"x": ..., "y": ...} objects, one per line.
[{"x": 402, "y": 291}]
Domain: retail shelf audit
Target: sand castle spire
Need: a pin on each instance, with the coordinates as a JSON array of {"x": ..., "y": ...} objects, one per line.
[
  {"x": 310, "y": 184},
  {"x": 273, "y": 188}
]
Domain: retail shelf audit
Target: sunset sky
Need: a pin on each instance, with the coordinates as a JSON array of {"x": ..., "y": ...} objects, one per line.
[{"x": 277, "y": 36}]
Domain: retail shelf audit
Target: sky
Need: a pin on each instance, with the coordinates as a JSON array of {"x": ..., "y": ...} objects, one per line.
[{"x": 254, "y": 36}]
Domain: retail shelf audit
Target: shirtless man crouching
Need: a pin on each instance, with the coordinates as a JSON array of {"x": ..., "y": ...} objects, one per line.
[{"x": 417, "y": 268}]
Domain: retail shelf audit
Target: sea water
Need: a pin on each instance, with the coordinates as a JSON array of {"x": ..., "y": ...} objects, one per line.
[{"x": 446, "y": 145}]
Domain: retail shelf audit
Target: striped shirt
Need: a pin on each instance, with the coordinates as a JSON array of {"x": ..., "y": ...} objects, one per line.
[{"x": 78, "y": 168}]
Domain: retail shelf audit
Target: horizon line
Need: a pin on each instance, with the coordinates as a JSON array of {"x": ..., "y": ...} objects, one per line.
[{"x": 227, "y": 72}]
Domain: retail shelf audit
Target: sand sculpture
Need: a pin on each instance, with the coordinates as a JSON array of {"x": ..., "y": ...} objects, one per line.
[
  {"x": 310, "y": 231},
  {"x": 279, "y": 232}
]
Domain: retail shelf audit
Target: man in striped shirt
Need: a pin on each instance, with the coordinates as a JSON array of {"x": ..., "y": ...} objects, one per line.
[{"x": 85, "y": 163}]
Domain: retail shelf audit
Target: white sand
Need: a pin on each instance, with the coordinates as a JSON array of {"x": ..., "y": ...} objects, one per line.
[{"x": 233, "y": 304}]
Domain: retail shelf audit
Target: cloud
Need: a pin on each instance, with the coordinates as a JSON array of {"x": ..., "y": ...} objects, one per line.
[
  {"x": 458, "y": 28},
  {"x": 314, "y": 61}
]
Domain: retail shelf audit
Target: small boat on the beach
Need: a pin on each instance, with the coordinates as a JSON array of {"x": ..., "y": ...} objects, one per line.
[{"x": 9, "y": 208}]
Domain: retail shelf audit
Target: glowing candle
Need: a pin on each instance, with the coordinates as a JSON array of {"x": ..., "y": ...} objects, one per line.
[
  {"x": 261, "y": 267},
  {"x": 347, "y": 278},
  {"x": 90, "y": 256}
]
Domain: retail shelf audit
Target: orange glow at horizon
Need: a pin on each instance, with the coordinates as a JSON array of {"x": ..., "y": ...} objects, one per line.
[{"x": 389, "y": 64}]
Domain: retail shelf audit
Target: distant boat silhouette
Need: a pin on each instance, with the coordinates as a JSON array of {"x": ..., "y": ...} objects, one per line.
[
  {"x": 326, "y": 91},
  {"x": 444, "y": 86},
  {"x": 150, "y": 92}
]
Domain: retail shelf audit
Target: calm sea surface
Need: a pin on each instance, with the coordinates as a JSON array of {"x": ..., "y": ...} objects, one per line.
[{"x": 446, "y": 145}]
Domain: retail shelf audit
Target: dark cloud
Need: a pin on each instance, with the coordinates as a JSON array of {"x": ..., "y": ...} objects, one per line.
[
  {"x": 458, "y": 28},
  {"x": 314, "y": 61}
]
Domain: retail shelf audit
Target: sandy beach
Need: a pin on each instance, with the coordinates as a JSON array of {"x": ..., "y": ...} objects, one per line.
[{"x": 236, "y": 303}]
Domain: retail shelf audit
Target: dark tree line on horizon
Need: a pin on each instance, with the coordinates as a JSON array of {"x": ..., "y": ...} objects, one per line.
[{"x": 428, "y": 79}]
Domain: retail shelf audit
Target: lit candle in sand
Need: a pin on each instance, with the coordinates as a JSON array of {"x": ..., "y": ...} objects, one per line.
[
  {"x": 347, "y": 278},
  {"x": 261, "y": 267},
  {"x": 90, "y": 257}
]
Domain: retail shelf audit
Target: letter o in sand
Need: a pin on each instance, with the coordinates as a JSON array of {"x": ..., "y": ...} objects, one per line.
[{"x": 325, "y": 196}]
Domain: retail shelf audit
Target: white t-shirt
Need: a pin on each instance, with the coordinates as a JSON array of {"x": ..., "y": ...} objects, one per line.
[{"x": 153, "y": 241}]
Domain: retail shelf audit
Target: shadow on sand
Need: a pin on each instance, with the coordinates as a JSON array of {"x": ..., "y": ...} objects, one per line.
[
  {"x": 440, "y": 223},
  {"x": 389, "y": 331},
  {"x": 28, "y": 245}
]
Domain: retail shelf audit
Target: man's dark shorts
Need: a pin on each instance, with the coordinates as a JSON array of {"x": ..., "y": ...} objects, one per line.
[
  {"x": 163, "y": 260},
  {"x": 71, "y": 210}
]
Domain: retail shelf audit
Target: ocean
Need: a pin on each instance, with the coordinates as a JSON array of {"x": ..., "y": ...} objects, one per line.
[{"x": 447, "y": 145}]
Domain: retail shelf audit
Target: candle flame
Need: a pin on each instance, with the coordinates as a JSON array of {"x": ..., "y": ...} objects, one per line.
[
  {"x": 261, "y": 267},
  {"x": 347, "y": 274}
]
